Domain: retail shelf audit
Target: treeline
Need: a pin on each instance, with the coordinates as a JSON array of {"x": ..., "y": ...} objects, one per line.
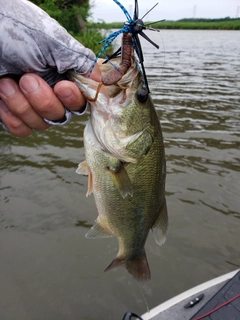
[
  {"x": 208, "y": 20},
  {"x": 73, "y": 16},
  {"x": 200, "y": 23}
]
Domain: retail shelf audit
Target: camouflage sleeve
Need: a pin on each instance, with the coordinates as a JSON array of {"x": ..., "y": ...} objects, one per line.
[{"x": 31, "y": 41}]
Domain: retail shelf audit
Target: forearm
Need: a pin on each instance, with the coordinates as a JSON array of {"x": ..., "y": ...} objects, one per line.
[{"x": 30, "y": 41}]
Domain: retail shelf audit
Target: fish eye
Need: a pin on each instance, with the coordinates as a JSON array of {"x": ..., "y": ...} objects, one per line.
[{"x": 142, "y": 95}]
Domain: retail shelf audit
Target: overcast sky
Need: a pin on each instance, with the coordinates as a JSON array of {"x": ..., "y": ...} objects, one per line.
[{"x": 109, "y": 11}]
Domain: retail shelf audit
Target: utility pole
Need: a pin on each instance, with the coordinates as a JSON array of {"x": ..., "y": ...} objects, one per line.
[
  {"x": 194, "y": 11},
  {"x": 237, "y": 12}
]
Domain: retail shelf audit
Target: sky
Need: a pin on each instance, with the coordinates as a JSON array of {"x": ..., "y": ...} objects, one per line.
[{"x": 109, "y": 11}]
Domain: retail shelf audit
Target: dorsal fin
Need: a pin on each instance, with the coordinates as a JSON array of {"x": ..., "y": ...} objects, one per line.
[{"x": 161, "y": 225}]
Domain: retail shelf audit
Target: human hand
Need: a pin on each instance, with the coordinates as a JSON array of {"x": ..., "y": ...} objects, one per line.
[
  {"x": 23, "y": 105},
  {"x": 37, "y": 49}
]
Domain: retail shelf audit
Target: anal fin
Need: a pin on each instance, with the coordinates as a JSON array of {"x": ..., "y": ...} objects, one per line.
[{"x": 97, "y": 231}]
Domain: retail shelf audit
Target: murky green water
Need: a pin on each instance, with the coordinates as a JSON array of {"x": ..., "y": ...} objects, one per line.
[{"x": 48, "y": 270}]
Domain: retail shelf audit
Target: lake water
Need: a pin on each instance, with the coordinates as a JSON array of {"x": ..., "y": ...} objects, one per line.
[{"x": 50, "y": 271}]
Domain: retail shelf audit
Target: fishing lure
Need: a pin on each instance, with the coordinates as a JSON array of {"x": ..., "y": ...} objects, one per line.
[{"x": 135, "y": 27}]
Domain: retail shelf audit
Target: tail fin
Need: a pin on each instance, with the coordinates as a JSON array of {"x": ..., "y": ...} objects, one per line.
[{"x": 137, "y": 266}]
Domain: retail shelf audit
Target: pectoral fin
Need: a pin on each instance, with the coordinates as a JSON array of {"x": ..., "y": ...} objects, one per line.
[
  {"x": 121, "y": 180},
  {"x": 161, "y": 225},
  {"x": 97, "y": 231}
]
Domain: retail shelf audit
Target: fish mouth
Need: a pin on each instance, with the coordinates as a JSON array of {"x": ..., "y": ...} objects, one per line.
[{"x": 118, "y": 75}]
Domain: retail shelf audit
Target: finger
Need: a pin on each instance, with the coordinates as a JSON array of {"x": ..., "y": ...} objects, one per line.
[
  {"x": 70, "y": 95},
  {"x": 95, "y": 74},
  {"x": 19, "y": 106},
  {"x": 14, "y": 125},
  {"x": 41, "y": 97}
]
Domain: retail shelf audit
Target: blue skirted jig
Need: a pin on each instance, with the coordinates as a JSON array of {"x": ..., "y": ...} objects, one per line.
[{"x": 135, "y": 27}]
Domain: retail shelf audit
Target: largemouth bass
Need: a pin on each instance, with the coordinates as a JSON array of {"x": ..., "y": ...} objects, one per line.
[{"x": 125, "y": 160}]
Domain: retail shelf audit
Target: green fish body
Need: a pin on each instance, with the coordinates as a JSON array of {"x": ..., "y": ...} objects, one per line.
[{"x": 125, "y": 164}]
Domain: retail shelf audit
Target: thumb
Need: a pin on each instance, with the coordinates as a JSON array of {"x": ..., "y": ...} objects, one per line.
[{"x": 96, "y": 74}]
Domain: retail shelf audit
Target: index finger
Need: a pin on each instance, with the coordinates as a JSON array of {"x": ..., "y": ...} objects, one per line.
[{"x": 41, "y": 97}]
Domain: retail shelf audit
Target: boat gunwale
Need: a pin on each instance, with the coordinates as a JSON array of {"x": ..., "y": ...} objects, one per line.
[{"x": 187, "y": 294}]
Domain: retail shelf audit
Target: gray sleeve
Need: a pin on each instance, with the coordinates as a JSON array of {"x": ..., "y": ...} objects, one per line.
[{"x": 31, "y": 41}]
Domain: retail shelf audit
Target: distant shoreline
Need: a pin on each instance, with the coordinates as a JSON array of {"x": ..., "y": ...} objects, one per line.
[{"x": 197, "y": 24}]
